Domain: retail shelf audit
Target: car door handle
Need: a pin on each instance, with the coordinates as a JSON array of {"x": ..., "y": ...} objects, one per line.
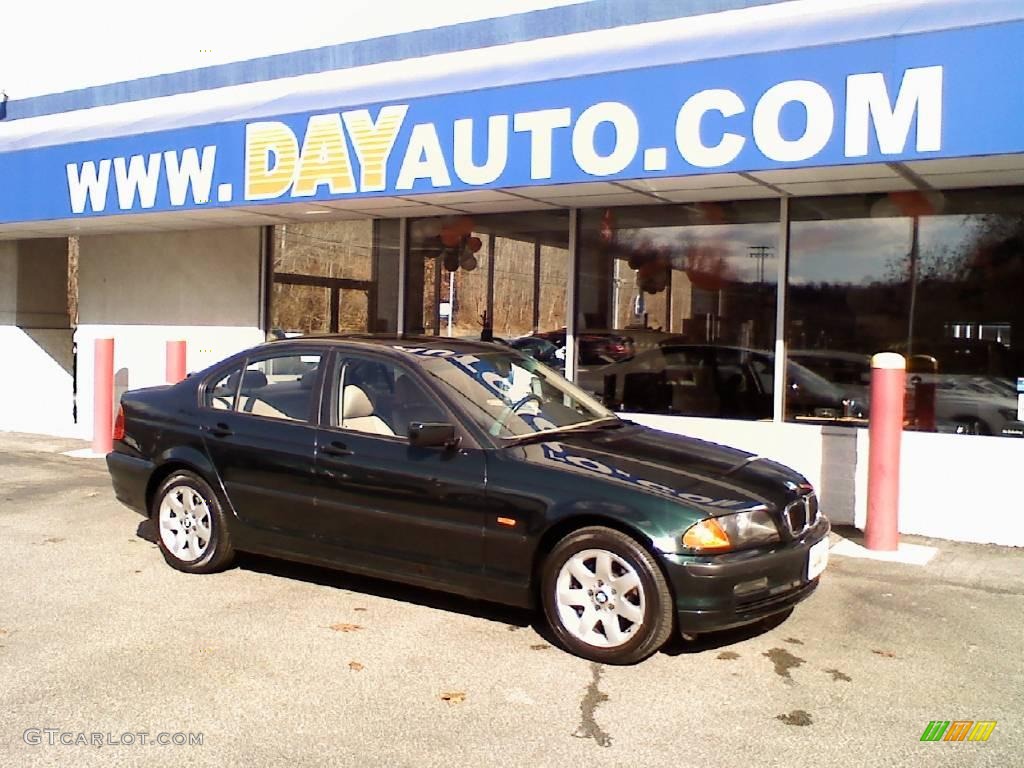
[
  {"x": 336, "y": 449},
  {"x": 220, "y": 430}
]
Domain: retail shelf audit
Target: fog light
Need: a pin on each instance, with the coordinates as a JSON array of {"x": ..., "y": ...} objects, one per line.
[{"x": 746, "y": 587}]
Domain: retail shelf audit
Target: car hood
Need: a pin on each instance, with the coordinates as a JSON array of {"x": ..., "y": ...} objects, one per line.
[{"x": 714, "y": 478}]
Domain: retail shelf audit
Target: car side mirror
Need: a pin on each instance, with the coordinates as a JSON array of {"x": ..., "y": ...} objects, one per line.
[{"x": 432, "y": 435}]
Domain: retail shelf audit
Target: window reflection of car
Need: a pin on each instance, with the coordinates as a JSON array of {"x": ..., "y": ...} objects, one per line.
[
  {"x": 974, "y": 405},
  {"x": 719, "y": 381},
  {"x": 541, "y": 350},
  {"x": 595, "y": 347},
  {"x": 964, "y": 403}
]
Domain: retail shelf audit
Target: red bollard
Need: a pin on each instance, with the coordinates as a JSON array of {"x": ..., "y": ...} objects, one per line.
[
  {"x": 175, "y": 361},
  {"x": 103, "y": 397},
  {"x": 885, "y": 430}
]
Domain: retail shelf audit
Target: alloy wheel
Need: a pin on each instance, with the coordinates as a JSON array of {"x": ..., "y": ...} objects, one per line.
[
  {"x": 185, "y": 523},
  {"x": 600, "y": 598}
]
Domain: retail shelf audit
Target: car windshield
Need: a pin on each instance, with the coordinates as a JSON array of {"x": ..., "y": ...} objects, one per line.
[{"x": 511, "y": 395}]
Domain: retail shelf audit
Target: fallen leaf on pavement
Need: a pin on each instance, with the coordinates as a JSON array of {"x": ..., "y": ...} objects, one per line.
[
  {"x": 887, "y": 654},
  {"x": 345, "y": 627},
  {"x": 355, "y": 666},
  {"x": 454, "y": 697}
]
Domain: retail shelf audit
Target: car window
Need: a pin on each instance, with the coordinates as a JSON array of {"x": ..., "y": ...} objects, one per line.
[
  {"x": 279, "y": 387},
  {"x": 508, "y": 394},
  {"x": 221, "y": 393},
  {"x": 379, "y": 397}
]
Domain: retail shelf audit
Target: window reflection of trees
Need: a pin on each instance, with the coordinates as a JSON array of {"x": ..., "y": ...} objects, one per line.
[{"x": 937, "y": 277}]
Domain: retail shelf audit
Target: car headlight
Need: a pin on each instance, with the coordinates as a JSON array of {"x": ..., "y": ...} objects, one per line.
[{"x": 736, "y": 531}]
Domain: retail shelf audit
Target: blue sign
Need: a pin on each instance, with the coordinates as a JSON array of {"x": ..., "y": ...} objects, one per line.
[{"x": 945, "y": 94}]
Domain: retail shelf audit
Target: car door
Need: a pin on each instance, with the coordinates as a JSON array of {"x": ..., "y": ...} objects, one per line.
[
  {"x": 259, "y": 432},
  {"x": 409, "y": 511}
]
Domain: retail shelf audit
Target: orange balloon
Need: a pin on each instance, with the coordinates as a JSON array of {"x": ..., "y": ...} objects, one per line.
[
  {"x": 463, "y": 225},
  {"x": 450, "y": 238},
  {"x": 475, "y": 244}
]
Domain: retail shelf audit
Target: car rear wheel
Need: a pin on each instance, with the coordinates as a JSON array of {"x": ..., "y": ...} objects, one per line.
[
  {"x": 192, "y": 532},
  {"x": 605, "y": 597}
]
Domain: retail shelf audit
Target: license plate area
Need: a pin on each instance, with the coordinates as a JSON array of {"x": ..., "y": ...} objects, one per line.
[{"x": 817, "y": 559}]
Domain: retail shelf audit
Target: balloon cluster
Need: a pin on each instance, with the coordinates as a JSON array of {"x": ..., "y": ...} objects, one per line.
[
  {"x": 454, "y": 242},
  {"x": 653, "y": 269}
]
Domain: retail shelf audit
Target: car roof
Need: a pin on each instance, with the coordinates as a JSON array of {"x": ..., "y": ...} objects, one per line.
[{"x": 388, "y": 340}]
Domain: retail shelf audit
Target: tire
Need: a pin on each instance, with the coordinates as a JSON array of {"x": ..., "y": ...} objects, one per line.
[
  {"x": 588, "y": 615},
  {"x": 192, "y": 530}
]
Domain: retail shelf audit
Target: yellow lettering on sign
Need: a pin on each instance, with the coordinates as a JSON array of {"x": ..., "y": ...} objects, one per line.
[
  {"x": 324, "y": 158},
  {"x": 373, "y": 142},
  {"x": 267, "y": 178}
]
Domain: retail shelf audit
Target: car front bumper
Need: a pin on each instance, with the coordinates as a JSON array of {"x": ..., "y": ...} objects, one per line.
[
  {"x": 730, "y": 590},
  {"x": 130, "y": 478}
]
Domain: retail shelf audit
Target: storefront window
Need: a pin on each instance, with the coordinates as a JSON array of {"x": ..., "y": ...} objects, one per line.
[
  {"x": 500, "y": 277},
  {"x": 936, "y": 277},
  {"x": 676, "y": 308},
  {"x": 331, "y": 277}
]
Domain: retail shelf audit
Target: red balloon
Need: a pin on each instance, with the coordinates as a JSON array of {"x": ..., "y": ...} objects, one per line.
[
  {"x": 450, "y": 238},
  {"x": 463, "y": 225},
  {"x": 475, "y": 244}
]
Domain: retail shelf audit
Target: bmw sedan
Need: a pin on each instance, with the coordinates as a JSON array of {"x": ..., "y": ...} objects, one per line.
[{"x": 472, "y": 468}]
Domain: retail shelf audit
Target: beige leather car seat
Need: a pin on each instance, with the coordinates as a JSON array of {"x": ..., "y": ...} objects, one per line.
[
  {"x": 258, "y": 407},
  {"x": 357, "y": 413}
]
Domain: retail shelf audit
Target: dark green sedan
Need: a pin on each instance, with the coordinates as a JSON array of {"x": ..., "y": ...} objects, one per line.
[{"x": 472, "y": 468}]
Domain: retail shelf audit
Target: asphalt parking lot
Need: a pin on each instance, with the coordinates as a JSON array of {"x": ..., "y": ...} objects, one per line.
[{"x": 274, "y": 663}]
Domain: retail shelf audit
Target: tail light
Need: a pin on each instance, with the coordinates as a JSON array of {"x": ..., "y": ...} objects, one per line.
[{"x": 119, "y": 424}]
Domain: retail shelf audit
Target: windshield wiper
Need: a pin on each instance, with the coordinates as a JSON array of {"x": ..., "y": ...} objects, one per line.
[{"x": 599, "y": 425}]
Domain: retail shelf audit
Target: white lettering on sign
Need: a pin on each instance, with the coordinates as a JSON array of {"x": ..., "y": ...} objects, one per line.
[
  {"x": 192, "y": 173},
  {"x": 282, "y": 160},
  {"x": 86, "y": 182},
  {"x": 423, "y": 159},
  {"x": 688, "y": 126},
  {"x": 138, "y": 175},
  {"x": 497, "y": 151},
  {"x": 627, "y": 138},
  {"x": 868, "y": 104},
  {"x": 818, "y": 129},
  {"x": 541, "y": 126}
]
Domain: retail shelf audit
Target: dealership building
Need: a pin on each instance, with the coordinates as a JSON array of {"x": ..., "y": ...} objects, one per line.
[{"x": 709, "y": 213}]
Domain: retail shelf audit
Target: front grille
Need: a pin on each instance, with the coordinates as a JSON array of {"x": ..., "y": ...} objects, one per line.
[{"x": 801, "y": 514}]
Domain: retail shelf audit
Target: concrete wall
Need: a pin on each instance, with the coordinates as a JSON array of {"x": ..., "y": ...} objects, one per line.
[
  {"x": 143, "y": 290},
  {"x": 955, "y": 487},
  {"x": 36, "y": 362}
]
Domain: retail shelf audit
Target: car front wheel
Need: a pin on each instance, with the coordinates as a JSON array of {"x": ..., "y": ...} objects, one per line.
[
  {"x": 605, "y": 597},
  {"x": 192, "y": 532}
]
